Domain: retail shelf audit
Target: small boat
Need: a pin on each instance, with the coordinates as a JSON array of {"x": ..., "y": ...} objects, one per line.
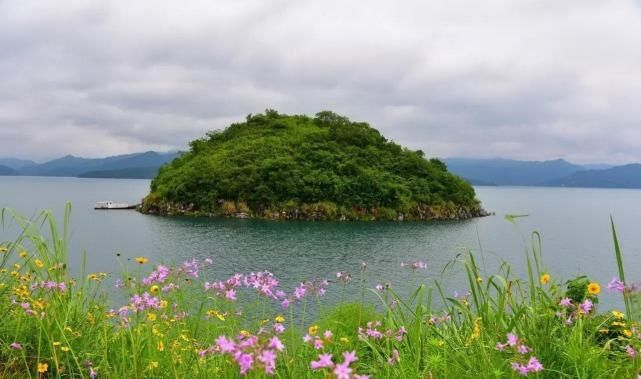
[{"x": 112, "y": 205}]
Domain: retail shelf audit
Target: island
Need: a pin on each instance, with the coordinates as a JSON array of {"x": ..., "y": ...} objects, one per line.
[{"x": 297, "y": 167}]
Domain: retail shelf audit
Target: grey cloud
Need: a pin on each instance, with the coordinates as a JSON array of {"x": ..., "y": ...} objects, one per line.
[{"x": 528, "y": 79}]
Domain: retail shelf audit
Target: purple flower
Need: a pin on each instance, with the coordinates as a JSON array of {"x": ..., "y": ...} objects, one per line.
[
  {"x": 512, "y": 339},
  {"x": 268, "y": 358},
  {"x": 349, "y": 356},
  {"x": 15, "y": 346},
  {"x": 394, "y": 358},
  {"x": 616, "y": 285},
  {"x": 324, "y": 360},
  {"x": 566, "y": 302},
  {"x": 522, "y": 349},
  {"x": 586, "y": 306},
  {"x": 275, "y": 343},
  {"x": 342, "y": 371},
  {"x": 245, "y": 361},
  {"x": 533, "y": 365},
  {"x": 92, "y": 373},
  {"x": 225, "y": 345}
]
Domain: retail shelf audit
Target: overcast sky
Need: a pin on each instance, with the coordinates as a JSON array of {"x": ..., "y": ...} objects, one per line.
[{"x": 519, "y": 79}]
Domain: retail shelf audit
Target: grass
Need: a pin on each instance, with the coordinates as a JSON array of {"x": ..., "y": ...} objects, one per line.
[{"x": 177, "y": 323}]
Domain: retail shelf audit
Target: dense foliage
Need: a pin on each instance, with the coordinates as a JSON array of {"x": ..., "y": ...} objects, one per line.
[{"x": 275, "y": 165}]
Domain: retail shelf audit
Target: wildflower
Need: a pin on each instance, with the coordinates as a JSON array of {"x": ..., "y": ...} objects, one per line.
[
  {"x": 268, "y": 358},
  {"x": 38, "y": 263},
  {"x": 618, "y": 315},
  {"x": 594, "y": 288},
  {"x": 42, "y": 367},
  {"x": 616, "y": 285},
  {"x": 627, "y": 333},
  {"x": 342, "y": 371},
  {"x": 534, "y": 365},
  {"x": 65, "y": 349},
  {"x": 23, "y": 254},
  {"x": 279, "y": 319},
  {"x": 566, "y": 302},
  {"x": 328, "y": 334},
  {"x": 154, "y": 289},
  {"x": 141, "y": 260},
  {"x": 245, "y": 361},
  {"x": 500, "y": 346},
  {"x": 225, "y": 345},
  {"x": 522, "y": 349},
  {"x": 512, "y": 339},
  {"x": 545, "y": 278},
  {"x": 324, "y": 360},
  {"x": 3, "y": 249},
  {"x": 275, "y": 343},
  {"x": 92, "y": 373},
  {"x": 630, "y": 352},
  {"x": 349, "y": 357},
  {"x": 15, "y": 346},
  {"x": 586, "y": 306},
  {"x": 394, "y": 358},
  {"x": 344, "y": 340},
  {"x": 313, "y": 330}
]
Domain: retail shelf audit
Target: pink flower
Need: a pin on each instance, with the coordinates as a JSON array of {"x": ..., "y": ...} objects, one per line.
[
  {"x": 586, "y": 306},
  {"x": 324, "y": 360},
  {"x": 533, "y": 365},
  {"x": 521, "y": 369},
  {"x": 230, "y": 294},
  {"x": 500, "y": 346},
  {"x": 342, "y": 371},
  {"x": 318, "y": 344},
  {"x": 629, "y": 350},
  {"x": 278, "y": 328},
  {"x": 92, "y": 373},
  {"x": 394, "y": 358},
  {"x": 512, "y": 339},
  {"x": 522, "y": 349},
  {"x": 225, "y": 345},
  {"x": 616, "y": 285},
  {"x": 328, "y": 334},
  {"x": 566, "y": 302},
  {"x": 275, "y": 343},
  {"x": 268, "y": 358},
  {"x": 15, "y": 346},
  {"x": 350, "y": 357},
  {"x": 245, "y": 361}
]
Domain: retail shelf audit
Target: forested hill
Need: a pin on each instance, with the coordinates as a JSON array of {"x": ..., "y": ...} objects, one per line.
[{"x": 299, "y": 167}]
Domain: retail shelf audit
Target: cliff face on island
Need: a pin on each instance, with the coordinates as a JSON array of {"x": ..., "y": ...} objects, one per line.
[{"x": 308, "y": 168}]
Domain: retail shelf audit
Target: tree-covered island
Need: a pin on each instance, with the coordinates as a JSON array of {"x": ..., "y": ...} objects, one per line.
[{"x": 308, "y": 168}]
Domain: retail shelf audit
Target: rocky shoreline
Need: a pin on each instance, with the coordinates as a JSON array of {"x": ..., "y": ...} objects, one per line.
[{"x": 312, "y": 213}]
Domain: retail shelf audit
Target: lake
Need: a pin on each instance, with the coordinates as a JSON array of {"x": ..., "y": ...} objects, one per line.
[{"x": 574, "y": 224}]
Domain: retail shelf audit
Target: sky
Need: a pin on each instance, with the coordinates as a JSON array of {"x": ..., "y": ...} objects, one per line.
[{"x": 526, "y": 79}]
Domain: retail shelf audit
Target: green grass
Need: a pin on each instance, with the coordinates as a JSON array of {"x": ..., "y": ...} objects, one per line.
[{"x": 75, "y": 332}]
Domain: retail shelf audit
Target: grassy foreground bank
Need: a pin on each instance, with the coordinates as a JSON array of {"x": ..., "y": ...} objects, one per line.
[{"x": 177, "y": 322}]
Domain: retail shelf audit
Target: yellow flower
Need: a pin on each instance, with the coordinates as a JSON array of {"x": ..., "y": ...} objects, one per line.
[
  {"x": 163, "y": 303},
  {"x": 594, "y": 288},
  {"x": 313, "y": 330},
  {"x": 151, "y": 316},
  {"x": 545, "y": 278},
  {"x": 38, "y": 263},
  {"x": 280, "y": 319},
  {"x": 23, "y": 254},
  {"x": 344, "y": 340},
  {"x": 152, "y": 365},
  {"x": 141, "y": 260},
  {"x": 64, "y": 348},
  {"x": 161, "y": 346},
  {"x": 627, "y": 333},
  {"x": 154, "y": 289},
  {"x": 618, "y": 315},
  {"x": 57, "y": 344},
  {"x": 3, "y": 249},
  {"x": 617, "y": 323},
  {"x": 42, "y": 367}
]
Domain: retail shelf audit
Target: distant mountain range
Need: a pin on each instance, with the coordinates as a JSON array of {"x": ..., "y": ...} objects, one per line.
[
  {"x": 556, "y": 173},
  {"x": 482, "y": 172},
  {"x": 135, "y": 166}
]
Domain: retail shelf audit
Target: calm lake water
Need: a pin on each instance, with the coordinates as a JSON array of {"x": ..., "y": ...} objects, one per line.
[{"x": 574, "y": 224}]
